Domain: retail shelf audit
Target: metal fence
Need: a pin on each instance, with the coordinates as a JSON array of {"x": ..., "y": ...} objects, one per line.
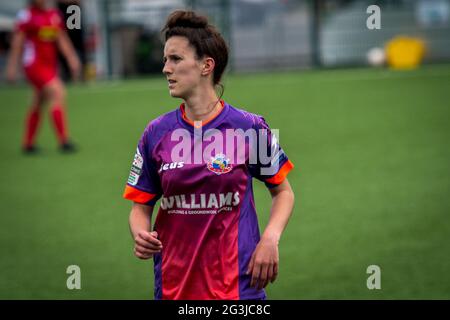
[
  {"x": 345, "y": 38},
  {"x": 287, "y": 34},
  {"x": 263, "y": 34}
]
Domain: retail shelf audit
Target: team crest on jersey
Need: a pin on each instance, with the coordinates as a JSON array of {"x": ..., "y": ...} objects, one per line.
[
  {"x": 219, "y": 164},
  {"x": 48, "y": 33}
]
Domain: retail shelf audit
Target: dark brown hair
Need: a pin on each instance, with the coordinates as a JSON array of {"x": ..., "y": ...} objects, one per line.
[{"x": 202, "y": 36}]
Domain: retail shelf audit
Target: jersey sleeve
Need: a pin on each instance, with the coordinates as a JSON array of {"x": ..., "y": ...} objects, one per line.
[
  {"x": 143, "y": 185},
  {"x": 23, "y": 19},
  {"x": 272, "y": 164}
]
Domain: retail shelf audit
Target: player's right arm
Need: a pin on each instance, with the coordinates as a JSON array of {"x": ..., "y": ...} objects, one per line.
[
  {"x": 14, "y": 55},
  {"x": 146, "y": 243},
  {"x": 68, "y": 51}
]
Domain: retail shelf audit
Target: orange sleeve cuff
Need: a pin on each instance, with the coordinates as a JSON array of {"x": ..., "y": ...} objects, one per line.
[
  {"x": 137, "y": 195},
  {"x": 281, "y": 175}
]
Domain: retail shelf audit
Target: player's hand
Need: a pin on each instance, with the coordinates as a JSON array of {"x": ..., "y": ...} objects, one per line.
[
  {"x": 263, "y": 265},
  {"x": 75, "y": 68},
  {"x": 146, "y": 244},
  {"x": 11, "y": 75}
]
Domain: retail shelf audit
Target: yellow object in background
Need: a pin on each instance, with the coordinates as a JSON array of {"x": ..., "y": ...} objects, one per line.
[
  {"x": 90, "y": 72},
  {"x": 405, "y": 52}
]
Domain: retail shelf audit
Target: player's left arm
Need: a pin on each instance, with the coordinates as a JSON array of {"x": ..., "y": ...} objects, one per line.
[
  {"x": 66, "y": 48},
  {"x": 264, "y": 262},
  {"x": 17, "y": 43}
]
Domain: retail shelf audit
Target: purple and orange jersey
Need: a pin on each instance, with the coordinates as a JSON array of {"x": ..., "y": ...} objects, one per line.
[{"x": 207, "y": 220}]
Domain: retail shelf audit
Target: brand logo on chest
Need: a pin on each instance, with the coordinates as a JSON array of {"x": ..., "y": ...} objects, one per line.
[{"x": 171, "y": 166}]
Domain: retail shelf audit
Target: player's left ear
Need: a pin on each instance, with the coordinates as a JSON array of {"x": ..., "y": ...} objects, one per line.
[{"x": 208, "y": 66}]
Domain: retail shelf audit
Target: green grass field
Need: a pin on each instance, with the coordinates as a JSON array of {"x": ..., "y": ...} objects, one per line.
[{"x": 371, "y": 149}]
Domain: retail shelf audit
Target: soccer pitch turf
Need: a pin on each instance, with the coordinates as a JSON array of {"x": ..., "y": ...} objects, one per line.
[{"x": 371, "y": 150}]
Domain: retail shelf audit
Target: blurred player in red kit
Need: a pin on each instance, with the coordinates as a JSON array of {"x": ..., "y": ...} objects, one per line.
[{"x": 39, "y": 34}]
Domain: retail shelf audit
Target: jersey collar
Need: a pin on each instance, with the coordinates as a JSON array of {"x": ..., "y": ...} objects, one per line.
[{"x": 205, "y": 122}]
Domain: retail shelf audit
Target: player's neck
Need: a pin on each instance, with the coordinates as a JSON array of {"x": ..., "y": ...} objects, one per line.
[{"x": 202, "y": 107}]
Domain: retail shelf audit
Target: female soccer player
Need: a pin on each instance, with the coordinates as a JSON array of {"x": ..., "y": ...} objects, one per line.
[
  {"x": 206, "y": 242},
  {"x": 39, "y": 34}
]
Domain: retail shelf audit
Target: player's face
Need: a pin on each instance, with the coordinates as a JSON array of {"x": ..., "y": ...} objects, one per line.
[
  {"x": 39, "y": 3},
  {"x": 181, "y": 67}
]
